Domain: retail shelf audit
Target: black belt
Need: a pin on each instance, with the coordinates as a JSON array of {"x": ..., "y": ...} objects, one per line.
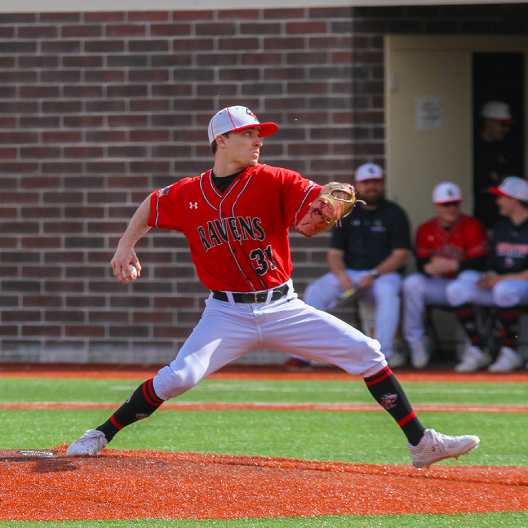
[{"x": 252, "y": 297}]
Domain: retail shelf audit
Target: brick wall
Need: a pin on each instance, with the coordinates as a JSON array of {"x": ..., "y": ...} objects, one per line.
[{"x": 96, "y": 109}]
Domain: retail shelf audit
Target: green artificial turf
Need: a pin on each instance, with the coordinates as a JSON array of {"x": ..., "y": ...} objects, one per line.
[
  {"x": 236, "y": 391},
  {"x": 362, "y": 437},
  {"x": 480, "y": 520}
]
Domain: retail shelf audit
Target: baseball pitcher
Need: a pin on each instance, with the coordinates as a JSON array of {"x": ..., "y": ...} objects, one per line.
[{"x": 236, "y": 217}]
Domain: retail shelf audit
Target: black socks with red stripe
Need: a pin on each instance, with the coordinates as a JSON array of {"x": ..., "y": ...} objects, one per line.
[
  {"x": 388, "y": 392},
  {"x": 141, "y": 404}
]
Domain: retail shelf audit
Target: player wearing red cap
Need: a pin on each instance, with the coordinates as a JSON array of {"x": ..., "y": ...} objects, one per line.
[{"x": 236, "y": 218}]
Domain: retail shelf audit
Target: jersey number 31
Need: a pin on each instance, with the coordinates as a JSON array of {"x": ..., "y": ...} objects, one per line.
[{"x": 263, "y": 260}]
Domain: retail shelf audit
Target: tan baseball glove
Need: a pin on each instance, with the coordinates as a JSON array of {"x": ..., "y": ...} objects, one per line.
[{"x": 335, "y": 201}]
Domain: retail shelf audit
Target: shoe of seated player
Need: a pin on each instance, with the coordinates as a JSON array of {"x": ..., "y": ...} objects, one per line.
[
  {"x": 473, "y": 359},
  {"x": 420, "y": 354},
  {"x": 507, "y": 361},
  {"x": 434, "y": 447},
  {"x": 396, "y": 360},
  {"x": 89, "y": 444}
]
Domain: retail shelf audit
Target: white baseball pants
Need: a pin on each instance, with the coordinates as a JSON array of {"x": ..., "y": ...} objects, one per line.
[
  {"x": 228, "y": 330},
  {"x": 324, "y": 292},
  {"x": 504, "y": 294},
  {"x": 419, "y": 290}
]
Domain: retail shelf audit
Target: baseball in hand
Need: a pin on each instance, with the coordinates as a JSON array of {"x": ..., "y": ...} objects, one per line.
[{"x": 132, "y": 272}]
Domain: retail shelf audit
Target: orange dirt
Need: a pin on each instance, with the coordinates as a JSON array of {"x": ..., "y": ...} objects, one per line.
[
  {"x": 328, "y": 407},
  {"x": 147, "y": 484},
  {"x": 245, "y": 372}
]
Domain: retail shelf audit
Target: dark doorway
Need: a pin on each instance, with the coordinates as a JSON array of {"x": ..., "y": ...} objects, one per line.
[{"x": 498, "y": 152}]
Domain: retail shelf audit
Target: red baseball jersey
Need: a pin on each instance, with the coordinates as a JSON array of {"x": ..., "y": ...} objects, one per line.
[
  {"x": 239, "y": 238},
  {"x": 465, "y": 240}
]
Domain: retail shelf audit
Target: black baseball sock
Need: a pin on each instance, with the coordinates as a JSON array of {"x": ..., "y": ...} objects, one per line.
[
  {"x": 508, "y": 319},
  {"x": 141, "y": 404},
  {"x": 388, "y": 392},
  {"x": 467, "y": 318}
]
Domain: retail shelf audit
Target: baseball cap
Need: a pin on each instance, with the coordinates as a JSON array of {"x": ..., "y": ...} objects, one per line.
[
  {"x": 447, "y": 192},
  {"x": 513, "y": 187},
  {"x": 369, "y": 171},
  {"x": 235, "y": 119},
  {"x": 496, "y": 110}
]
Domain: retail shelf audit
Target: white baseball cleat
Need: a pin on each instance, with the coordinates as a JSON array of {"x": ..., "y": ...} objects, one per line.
[
  {"x": 89, "y": 444},
  {"x": 434, "y": 447}
]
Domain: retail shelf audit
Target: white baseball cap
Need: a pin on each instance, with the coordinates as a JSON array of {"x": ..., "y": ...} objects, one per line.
[
  {"x": 496, "y": 110},
  {"x": 369, "y": 171},
  {"x": 235, "y": 119},
  {"x": 447, "y": 192},
  {"x": 512, "y": 187}
]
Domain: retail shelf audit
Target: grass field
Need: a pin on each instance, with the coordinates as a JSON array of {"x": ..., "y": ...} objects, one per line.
[{"x": 359, "y": 437}]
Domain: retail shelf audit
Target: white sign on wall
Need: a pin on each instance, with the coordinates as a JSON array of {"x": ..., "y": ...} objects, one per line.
[{"x": 428, "y": 113}]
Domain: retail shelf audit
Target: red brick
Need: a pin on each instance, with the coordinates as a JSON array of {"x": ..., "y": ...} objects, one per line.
[
  {"x": 125, "y": 30},
  {"x": 39, "y": 121},
  {"x": 170, "y": 30},
  {"x": 60, "y": 17},
  {"x": 260, "y": 28},
  {"x": 19, "y": 46},
  {"x": 127, "y": 151},
  {"x": 106, "y": 136},
  {"x": 64, "y": 316},
  {"x": 104, "y": 46},
  {"x": 62, "y": 197},
  {"x": 194, "y": 44},
  {"x": 42, "y": 300},
  {"x": 261, "y": 58},
  {"x": 128, "y": 181},
  {"x": 61, "y": 167},
  {"x": 41, "y": 242},
  {"x": 86, "y": 61},
  {"x": 42, "y": 271},
  {"x": 44, "y": 330},
  {"x": 63, "y": 227},
  {"x": 284, "y": 13},
  {"x": 148, "y": 75},
  {"x": 148, "y": 136},
  {"x": 171, "y": 90},
  {"x": 84, "y": 331},
  {"x": 86, "y": 301},
  {"x": 82, "y": 31},
  {"x": 192, "y": 15},
  {"x": 115, "y": 105},
  {"x": 304, "y": 28},
  {"x": 106, "y": 16},
  {"x": 61, "y": 137},
  {"x": 8, "y": 153},
  {"x": 283, "y": 43},
  {"x": 17, "y": 76},
  {"x": 9, "y": 331},
  {"x": 107, "y": 317},
  {"x": 150, "y": 105},
  {"x": 62, "y": 107},
  {"x": 239, "y": 13},
  {"x": 7, "y": 32},
  {"x": 37, "y": 32},
  {"x": 126, "y": 91},
  {"x": 215, "y": 28},
  {"x": 40, "y": 152},
  {"x": 17, "y": 18},
  {"x": 61, "y": 46},
  {"x": 18, "y": 137},
  {"x": 147, "y": 46},
  {"x": 148, "y": 16},
  {"x": 83, "y": 152},
  {"x": 85, "y": 121}
]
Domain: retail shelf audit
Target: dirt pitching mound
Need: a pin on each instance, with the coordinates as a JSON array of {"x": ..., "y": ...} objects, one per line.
[{"x": 146, "y": 484}]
